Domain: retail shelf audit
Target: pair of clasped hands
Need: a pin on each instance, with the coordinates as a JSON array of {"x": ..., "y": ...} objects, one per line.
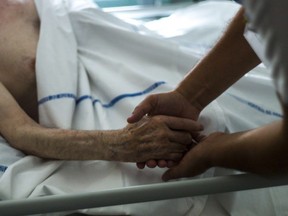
[{"x": 170, "y": 105}]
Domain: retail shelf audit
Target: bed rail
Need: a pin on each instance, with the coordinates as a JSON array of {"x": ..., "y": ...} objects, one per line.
[{"x": 152, "y": 192}]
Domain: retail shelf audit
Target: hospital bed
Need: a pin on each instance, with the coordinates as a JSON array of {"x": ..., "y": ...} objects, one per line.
[
  {"x": 220, "y": 184},
  {"x": 135, "y": 194}
]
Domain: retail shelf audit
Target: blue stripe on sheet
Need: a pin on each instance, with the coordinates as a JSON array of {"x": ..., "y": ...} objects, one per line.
[
  {"x": 55, "y": 97},
  {"x": 256, "y": 107},
  {"x": 3, "y": 168},
  {"x": 94, "y": 101}
]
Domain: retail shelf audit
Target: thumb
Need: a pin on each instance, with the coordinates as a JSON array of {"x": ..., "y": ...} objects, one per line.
[
  {"x": 136, "y": 115},
  {"x": 145, "y": 107},
  {"x": 173, "y": 173}
]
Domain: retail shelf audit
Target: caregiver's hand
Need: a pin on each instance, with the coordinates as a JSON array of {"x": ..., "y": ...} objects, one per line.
[
  {"x": 172, "y": 103},
  {"x": 156, "y": 137},
  {"x": 261, "y": 150},
  {"x": 195, "y": 161}
]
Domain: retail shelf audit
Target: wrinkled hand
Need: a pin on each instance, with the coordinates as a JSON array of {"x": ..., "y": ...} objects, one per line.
[
  {"x": 196, "y": 138},
  {"x": 173, "y": 104},
  {"x": 156, "y": 137}
]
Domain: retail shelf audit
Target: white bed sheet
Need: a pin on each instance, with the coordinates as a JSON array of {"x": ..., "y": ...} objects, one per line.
[{"x": 29, "y": 176}]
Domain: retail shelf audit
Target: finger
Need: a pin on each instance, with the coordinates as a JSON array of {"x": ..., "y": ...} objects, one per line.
[
  {"x": 171, "y": 163},
  {"x": 136, "y": 115},
  {"x": 140, "y": 165},
  {"x": 197, "y": 137},
  {"x": 200, "y": 137},
  {"x": 180, "y": 137},
  {"x": 173, "y": 173},
  {"x": 151, "y": 163},
  {"x": 177, "y": 123},
  {"x": 162, "y": 163},
  {"x": 174, "y": 156},
  {"x": 141, "y": 110}
]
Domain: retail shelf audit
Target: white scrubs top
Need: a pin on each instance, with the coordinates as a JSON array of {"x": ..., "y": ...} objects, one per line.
[{"x": 270, "y": 20}]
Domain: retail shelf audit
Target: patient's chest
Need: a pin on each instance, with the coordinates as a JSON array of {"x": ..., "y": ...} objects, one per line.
[{"x": 19, "y": 33}]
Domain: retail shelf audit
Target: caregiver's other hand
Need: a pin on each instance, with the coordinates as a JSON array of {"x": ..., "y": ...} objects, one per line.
[
  {"x": 172, "y": 103},
  {"x": 261, "y": 150},
  {"x": 156, "y": 137},
  {"x": 195, "y": 161}
]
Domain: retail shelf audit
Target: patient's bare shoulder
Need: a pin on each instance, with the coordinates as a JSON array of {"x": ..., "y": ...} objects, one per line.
[{"x": 19, "y": 33}]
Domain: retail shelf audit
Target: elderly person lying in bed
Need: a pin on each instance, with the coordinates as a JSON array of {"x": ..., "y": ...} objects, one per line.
[
  {"x": 86, "y": 87},
  {"x": 153, "y": 138}
]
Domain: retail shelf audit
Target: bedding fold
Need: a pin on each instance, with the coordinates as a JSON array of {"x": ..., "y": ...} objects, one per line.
[{"x": 92, "y": 70}]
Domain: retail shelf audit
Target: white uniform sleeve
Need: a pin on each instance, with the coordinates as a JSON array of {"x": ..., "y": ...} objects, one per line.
[{"x": 269, "y": 19}]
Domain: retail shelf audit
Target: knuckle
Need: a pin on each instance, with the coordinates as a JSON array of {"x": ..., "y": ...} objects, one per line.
[
  {"x": 156, "y": 119},
  {"x": 162, "y": 134}
]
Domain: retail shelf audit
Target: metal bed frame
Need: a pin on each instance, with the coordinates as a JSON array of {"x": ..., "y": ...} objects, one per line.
[{"x": 137, "y": 194}]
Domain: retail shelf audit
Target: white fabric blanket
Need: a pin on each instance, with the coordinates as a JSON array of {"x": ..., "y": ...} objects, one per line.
[{"x": 92, "y": 70}]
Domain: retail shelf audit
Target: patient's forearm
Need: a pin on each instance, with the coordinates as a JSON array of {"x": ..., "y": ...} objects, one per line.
[
  {"x": 64, "y": 144},
  {"x": 26, "y": 135},
  {"x": 229, "y": 60},
  {"x": 134, "y": 143},
  {"x": 157, "y": 137}
]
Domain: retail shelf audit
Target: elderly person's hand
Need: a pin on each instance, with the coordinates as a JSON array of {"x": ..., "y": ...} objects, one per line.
[
  {"x": 156, "y": 137},
  {"x": 173, "y": 104}
]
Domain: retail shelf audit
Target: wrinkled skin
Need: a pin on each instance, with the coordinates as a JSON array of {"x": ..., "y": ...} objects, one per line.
[
  {"x": 158, "y": 137},
  {"x": 172, "y": 103}
]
